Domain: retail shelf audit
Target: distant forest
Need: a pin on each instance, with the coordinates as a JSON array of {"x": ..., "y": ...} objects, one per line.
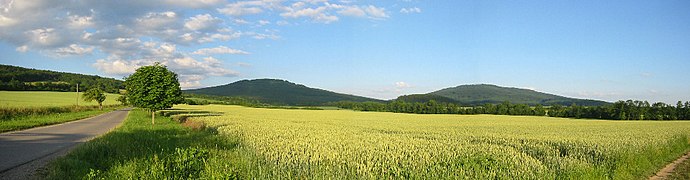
[
  {"x": 621, "y": 110},
  {"x": 15, "y": 78}
]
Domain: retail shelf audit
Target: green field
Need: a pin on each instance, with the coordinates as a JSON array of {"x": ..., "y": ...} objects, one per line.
[
  {"x": 46, "y": 99},
  {"x": 316, "y": 144},
  {"x": 27, "y": 109}
]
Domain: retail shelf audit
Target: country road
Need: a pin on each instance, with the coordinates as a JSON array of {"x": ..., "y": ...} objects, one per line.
[{"x": 22, "y": 147}]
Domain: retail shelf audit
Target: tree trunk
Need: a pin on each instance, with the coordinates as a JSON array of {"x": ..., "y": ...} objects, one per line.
[
  {"x": 153, "y": 117},
  {"x": 100, "y": 106}
]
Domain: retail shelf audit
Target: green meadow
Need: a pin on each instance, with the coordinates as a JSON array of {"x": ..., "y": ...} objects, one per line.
[
  {"x": 49, "y": 99},
  {"x": 27, "y": 109}
]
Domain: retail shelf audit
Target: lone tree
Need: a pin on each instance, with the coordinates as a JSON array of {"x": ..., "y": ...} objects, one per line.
[
  {"x": 95, "y": 94},
  {"x": 123, "y": 99},
  {"x": 153, "y": 88}
]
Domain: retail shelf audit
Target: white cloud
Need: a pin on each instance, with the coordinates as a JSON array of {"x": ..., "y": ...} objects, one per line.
[
  {"x": 190, "y": 81},
  {"x": 219, "y": 50},
  {"x": 157, "y": 21},
  {"x": 80, "y": 22},
  {"x": 5, "y": 5},
  {"x": 132, "y": 33},
  {"x": 6, "y": 21},
  {"x": 194, "y": 3},
  {"x": 268, "y": 35},
  {"x": 352, "y": 11},
  {"x": 22, "y": 48},
  {"x": 242, "y": 8},
  {"x": 364, "y": 11},
  {"x": 43, "y": 37},
  {"x": 212, "y": 61},
  {"x": 202, "y": 22},
  {"x": 73, "y": 50},
  {"x": 117, "y": 67},
  {"x": 410, "y": 10},
  {"x": 188, "y": 65},
  {"x": 376, "y": 12},
  {"x": 318, "y": 14}
]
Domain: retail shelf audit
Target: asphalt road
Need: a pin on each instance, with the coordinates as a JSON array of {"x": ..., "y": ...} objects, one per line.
[{"x": 22, "y": 147}]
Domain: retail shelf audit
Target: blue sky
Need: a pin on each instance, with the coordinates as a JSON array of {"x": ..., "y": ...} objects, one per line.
[{"x": 607, "y": 50}]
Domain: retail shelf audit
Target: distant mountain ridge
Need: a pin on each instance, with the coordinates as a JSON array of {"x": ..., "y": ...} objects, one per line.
[
  {"x": 479, "y": 94},
  {"x": 276, "y": 91}
]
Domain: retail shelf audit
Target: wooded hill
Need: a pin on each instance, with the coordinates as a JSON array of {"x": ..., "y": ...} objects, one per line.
[
  {"x": 15, "y": 78},
  {"x": 480, "y": 94},
  {"x": 279, "y": 92}
]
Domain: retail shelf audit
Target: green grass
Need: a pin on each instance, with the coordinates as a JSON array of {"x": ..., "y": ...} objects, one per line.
[
  {"x": 258, "y": 143},
  {"x": 27, "y": 109},
  {"x": 48, "y": 118},
  {"x": 48, "y": 99},
  {"x": 138, "y": 150},
  {"x": 682, "y": 171}
]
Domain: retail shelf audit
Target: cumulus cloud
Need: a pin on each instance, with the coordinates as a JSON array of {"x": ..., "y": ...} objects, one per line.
[
  {"x": 134, "y": 33},
  {"x": 376, "y": 12},
  {"x": 157, "y": 20},
  {"x": 242, "y": 8},
  {"x": 410, "y": 10},
  {"x": 219, "y": 50},
  {"x": 202, "y": 22},
  {"x": 352, "y": 11},
  {"x": 194, "y": 3},
  {"x": 73, "y": 50},
  {"x": 117, "y": 67},
  {"x": 318, "y": 14}
]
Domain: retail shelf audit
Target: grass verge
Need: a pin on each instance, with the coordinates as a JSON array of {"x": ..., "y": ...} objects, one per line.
[
  {"x": 682, "y": 171},
  {"x": 138, "y": 150},
  {"x": 35, "y": 117}
]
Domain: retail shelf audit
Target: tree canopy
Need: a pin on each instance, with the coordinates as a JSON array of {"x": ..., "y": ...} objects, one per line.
[
  {"x": 95, "y": 94},
  {"x": 153, "y": 88},
  {"x": 15, "y": 78}
]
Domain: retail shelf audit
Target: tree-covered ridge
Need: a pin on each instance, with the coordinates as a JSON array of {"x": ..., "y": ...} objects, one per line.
[
  {"x": 15, "y": 78},
  {"x": 480, "y": 94},
  {"x": 278, "y": 92}
]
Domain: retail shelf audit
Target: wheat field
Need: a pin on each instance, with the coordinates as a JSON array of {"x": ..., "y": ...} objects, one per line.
[{"x": 375, "y": 145}]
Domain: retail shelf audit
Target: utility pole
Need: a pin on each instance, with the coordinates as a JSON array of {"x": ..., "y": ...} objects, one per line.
[{"x": 77, "y": 94}]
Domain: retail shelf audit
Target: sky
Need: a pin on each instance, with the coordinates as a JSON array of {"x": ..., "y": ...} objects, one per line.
[{"x": 605, "y": 50}]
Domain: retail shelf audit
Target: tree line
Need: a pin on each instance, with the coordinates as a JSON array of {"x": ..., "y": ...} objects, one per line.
[
  {"x": 14, "y": 78},
  {"x": 626, "y": 110},
  {"x": 621, "y": 110}
]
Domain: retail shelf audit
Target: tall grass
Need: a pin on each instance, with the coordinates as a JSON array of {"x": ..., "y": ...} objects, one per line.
[
  {"x": 138, "y": 150},
  {"x": 7, "y": 113},
  {"x": 17, "y": 118}
]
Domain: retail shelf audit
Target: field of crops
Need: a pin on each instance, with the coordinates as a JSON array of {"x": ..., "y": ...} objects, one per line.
[
  {"x": 347, "y": 144},
  {"x": 46, "y": 99}
]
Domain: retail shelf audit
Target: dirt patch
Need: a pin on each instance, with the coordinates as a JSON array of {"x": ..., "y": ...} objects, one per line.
[
  {"x": 195, "y": 125},
  {"x": 668, "y": 170}
]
